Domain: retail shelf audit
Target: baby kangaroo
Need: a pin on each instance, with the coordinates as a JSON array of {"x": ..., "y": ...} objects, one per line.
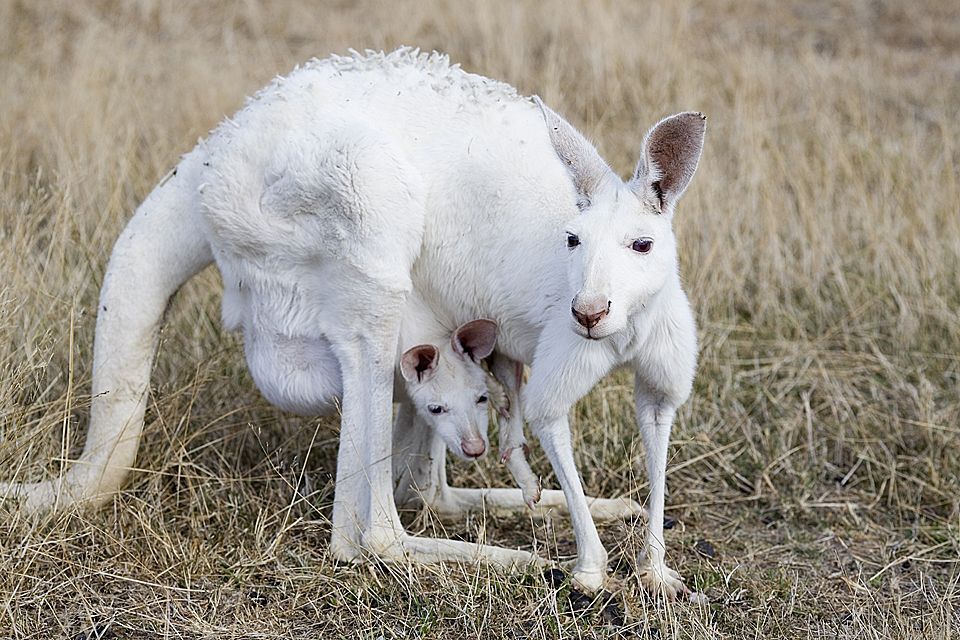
[
  {"x": 448, "y": 394},
  {"x": 448, "y": 386}
]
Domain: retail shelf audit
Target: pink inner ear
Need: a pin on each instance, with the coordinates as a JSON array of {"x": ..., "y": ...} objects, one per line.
[
  {"x": 674, "y": 147},
  {"x": 475, "y": 339},
  {"x": 419, "y": 362}
]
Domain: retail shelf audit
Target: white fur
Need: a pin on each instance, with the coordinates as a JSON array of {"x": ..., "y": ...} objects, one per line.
[
  {"x": 342, "y": 187},
  {"x": 302, "y": 375},
  {"x": 513, "y": 443}
]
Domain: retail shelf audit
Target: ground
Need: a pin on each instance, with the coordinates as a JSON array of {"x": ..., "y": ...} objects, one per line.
[{"x": 814, "y": 475}]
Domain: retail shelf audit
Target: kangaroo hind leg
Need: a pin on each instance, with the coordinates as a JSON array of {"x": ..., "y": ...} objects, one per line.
[{"x": 366, "y": 206}]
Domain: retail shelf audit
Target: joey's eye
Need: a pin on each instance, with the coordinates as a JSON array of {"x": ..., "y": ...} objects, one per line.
[
  {"x": 643, "y": 245},
  {"x": 481, "y": 399},
  {"x": 435, "y": 409},
  {"x": 573, "y": 240}
]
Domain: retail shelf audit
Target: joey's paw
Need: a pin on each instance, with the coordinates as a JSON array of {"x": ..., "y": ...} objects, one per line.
[
  {"x": 532, "y": 491},
  {"x": 659, "y": 579},
  {"x": 507, "y": 451}
]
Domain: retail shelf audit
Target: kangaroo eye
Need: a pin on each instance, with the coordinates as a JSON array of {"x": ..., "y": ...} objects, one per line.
[
  {"x": 643, "y": 245},
  {"x": 435, "y": 409},
  {"x": 481, "y": 399},
  {"x": 573, "y": 241}
]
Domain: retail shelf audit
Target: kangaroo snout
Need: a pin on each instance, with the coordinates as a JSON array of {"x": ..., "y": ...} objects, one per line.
[
  {"x": 473, "y": 448},
  {"x": 589, "y": 315}
]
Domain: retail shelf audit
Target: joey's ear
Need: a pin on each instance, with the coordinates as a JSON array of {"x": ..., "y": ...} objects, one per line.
[
  {"x": 668, "y": 159},
  {"x": 475, "y": 339},
  {"x": 586, "y": 167},
  {"x": 419, "y": 363}
]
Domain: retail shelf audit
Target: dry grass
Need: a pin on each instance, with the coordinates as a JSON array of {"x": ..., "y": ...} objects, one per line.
[{"x": 820, "y": 454}]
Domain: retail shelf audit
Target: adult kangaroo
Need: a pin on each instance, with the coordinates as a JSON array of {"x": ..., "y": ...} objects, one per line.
[{"x": 338, "y": 189}]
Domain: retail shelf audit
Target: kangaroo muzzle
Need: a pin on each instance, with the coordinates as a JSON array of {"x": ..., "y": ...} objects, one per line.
[
  {"x": 589, "y": 315},
  {"x": 473, "y": 447}
]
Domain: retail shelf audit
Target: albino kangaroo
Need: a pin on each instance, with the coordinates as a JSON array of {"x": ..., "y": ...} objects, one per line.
[
  {"x": 445, "y": 387},
  {"x": 337, "y": 190},
  {"x": 303, "y": 376},
  {"x": 445, "y": 393},
  {"x": 420, "y": 444}
]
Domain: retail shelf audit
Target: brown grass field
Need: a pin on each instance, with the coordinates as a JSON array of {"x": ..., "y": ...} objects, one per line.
[{"x": 820, "y": 243}]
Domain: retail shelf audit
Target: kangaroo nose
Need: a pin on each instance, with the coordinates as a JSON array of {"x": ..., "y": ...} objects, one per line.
[
  {"x": 473, "y": 448},
  {"x": 589, "y": 317}
]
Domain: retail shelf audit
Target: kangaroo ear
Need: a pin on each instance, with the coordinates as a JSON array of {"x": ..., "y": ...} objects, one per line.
[
  {"x": 586, "y": 167},
  {"x": 419, "y": 363},
  {"x": 668, "y": 159},
  {"x": 475, "y": 339}
]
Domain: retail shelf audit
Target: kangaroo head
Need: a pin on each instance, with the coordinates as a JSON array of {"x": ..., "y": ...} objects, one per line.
[
  {"x": 621, "y": 248},
  {"x": 448, "y": 386}
]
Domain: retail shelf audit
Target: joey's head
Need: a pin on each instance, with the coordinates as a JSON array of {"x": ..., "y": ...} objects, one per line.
[
  {"x": 621, "y": 250},
  {"x": 448, "y": 387}
]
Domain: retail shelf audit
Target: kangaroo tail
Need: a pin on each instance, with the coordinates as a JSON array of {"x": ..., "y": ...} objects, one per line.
[{"x": 162, "y": 247}]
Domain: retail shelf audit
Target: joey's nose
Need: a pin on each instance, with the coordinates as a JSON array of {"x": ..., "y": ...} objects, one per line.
[
  {"x": 473, "y": 448},
  {"x": 588, "y": 317}
]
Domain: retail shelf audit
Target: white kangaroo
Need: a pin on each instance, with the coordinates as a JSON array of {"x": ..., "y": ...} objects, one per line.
[
  {"x": 445, "y": 388},
  {"x": 337, "y": 190},
  {"x": 303, "y": 376},
  {"x": 447, "y": 392}
]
